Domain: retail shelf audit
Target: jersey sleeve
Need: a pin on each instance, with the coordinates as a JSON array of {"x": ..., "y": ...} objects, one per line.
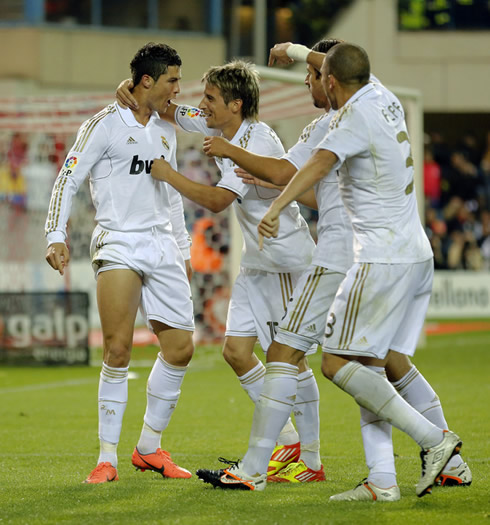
[
  {"x": 347, "y": 135},
  {"x": 298, "y": 154},
  {"x": 261, "y": 141},
  {"x": 191, "y": 119},
  {"x": 91, "y": 144}
]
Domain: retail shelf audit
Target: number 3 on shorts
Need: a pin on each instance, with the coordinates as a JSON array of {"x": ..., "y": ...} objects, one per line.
[{"x": 330, "y": 323}]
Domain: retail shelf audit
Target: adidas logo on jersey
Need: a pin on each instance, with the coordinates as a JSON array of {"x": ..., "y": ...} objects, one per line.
[
  {"x": 131, "y": 141},
  {"x": 362, "y": 342},
  {"x": 311, "y": 328}
]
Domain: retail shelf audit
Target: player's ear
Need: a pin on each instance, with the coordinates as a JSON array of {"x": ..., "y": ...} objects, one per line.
[
  {"x": 236, "y": 105},
  {"x": 146, "y": 81}
]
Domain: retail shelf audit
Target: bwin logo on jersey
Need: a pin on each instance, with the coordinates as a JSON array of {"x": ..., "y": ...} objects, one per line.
[{"x": 138, "y": 166}]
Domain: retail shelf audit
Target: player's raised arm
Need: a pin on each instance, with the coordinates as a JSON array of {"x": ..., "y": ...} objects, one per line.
[
  {"x": 126, "y": 99},
  {"x": 287, "y": 53}
]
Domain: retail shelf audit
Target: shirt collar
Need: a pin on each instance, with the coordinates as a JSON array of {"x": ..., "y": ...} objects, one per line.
[{"x": 129, "y": 119}]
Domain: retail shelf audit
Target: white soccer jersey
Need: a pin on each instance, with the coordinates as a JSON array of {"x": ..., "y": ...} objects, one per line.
[
  {"x": 292, "y": 249},
  {"x": 376, "y": 177},
  {"x": 117, "y": 151},
  {"x": 334, "y": 230}
]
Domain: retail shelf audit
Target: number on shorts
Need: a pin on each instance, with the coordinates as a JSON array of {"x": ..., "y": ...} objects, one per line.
[{"x": 330, "y": 323}]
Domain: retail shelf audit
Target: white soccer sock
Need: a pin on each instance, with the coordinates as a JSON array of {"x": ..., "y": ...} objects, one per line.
[
  {"x": 149, "y": 440},
  {"x": 271, "y": 413},
  {"x": 378, "y": 445},
  {"x": 252, "y": 382},
  {"x": 376, "y": 393},
  {"x": 307, "y": 417},
  {"x": 113, "y": 398},
  {"x": 162, "y": 394},
  {"x": 417, "y": 391}
]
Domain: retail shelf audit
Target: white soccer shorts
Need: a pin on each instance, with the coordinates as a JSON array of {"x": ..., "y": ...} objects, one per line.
[
  {"x": 258, "y": 303},
  {"x": 166, "y": 294},
  {"x": 379, "y": 307},
  {"x": 303, "y": 327}
]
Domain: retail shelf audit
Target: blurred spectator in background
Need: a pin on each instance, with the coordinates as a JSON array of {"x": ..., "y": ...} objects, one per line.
[
  {"x": 432, "y": 179},
  {"x": 484, "y": 182}
]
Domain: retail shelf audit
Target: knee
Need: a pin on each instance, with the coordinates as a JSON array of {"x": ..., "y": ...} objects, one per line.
[
  {"x": 181, "y": 352},
  {"x": 116, "y": 353},
  {"x": 329, "y": 368},
  {"x": 233, "y": 355}
]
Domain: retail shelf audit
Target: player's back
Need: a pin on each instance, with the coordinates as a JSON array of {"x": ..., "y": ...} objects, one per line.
[{"x": 376, "y": 178}]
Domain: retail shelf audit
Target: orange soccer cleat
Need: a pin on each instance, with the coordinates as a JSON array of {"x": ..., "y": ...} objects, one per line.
[
  {"x": 159, "y": 461},
  {"x": 103, "y": 473}
]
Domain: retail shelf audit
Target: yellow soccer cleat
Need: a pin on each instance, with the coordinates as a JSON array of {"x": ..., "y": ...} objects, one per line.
[
  {"x": 282, "y": 456},
  {"x": 298, "y": 473}
]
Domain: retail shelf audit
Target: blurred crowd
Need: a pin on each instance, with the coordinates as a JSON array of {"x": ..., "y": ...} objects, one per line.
[
  {"x": 456, "y": 182},
  {"x": 457, "y": 201}
]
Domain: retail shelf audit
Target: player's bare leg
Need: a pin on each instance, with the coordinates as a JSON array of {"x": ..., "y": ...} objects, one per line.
[{"x": 118, "y": 296}]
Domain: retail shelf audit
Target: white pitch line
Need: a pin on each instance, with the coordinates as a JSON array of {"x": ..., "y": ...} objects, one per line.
[
  {"x": 46, "y": 386},
  {"x": 59, "y": 384}
]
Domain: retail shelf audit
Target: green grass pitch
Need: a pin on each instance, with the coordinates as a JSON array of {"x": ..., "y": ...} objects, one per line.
[{"x": 48, "y": 438}]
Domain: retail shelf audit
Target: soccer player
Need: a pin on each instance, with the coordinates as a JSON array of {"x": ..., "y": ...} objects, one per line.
[
  {"x": 334, "y": 242},
  {"x": 138, "y": 249},
  {"x": 305, "y": 320},
  {"x": 381, "y": 304},
  {"x": 229, "y": 108}
]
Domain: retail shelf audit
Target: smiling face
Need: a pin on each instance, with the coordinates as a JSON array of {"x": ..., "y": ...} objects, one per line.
[
  {"x": 165, "y": 89},
  {"x": 217, "y": 112},
  {"x": 313, "y": 81}
]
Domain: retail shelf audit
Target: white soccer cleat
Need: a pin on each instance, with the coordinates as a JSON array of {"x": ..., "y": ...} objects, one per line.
[
  {"x": 435, "y": 459},
  {"x": 366, "y": 491},
  {"x": 459, "y": 476}
]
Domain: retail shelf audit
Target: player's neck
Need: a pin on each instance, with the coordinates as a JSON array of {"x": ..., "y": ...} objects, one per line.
[
  {"x": 231, "y": 127},
  {"x": 142, "y": 114},
  {"x": 144, "y": 111}
]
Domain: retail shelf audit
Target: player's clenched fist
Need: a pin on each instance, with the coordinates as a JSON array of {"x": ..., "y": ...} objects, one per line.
[
  {"x": 215, "y": 146},
  {"x": 58, "y": 256},
  {"x": 278, "y": 54},
  {"x": 161, "y": 170},
  {"x": 269, "y": 225}
]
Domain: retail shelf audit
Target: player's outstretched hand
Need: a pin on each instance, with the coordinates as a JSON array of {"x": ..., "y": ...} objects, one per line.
[
  {"x": 278, "y": 55},
  {"x": 250, "y": 179},
  {"x": 215, "y": 146},
  {"x": 58, "y": 256},
  {"x": 124, "y": 96},
  {"x": 269, "y": 225},
  {"x": 161, "y": 169}
]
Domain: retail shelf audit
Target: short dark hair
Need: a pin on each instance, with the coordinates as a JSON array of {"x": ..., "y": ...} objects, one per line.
[
  {"x": 324, "y": 46},
  {"x": 237, "y": 80},
  {"x": 153, "y": 60},
  {"x": 348, "y": 63}
]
